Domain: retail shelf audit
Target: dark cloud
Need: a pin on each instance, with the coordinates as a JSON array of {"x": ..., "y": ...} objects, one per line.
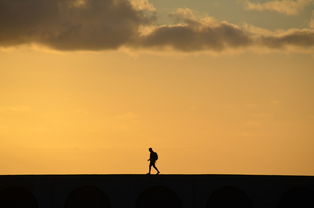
[
  {"x": 110, "y": 24},
  {"x": 190, "y": 38},
  {"x": 69, "y": 24},
  {"x": 299, "y": 38},
  {"x": 196, "y": 34}
]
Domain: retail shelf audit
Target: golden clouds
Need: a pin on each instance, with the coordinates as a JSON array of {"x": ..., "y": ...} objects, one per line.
[
  {"x": 143, "y": 5},
  {"x": 199, "y": 34},
  {"x": 110, "y": 24},
  {"x": 288, "y": 7}
]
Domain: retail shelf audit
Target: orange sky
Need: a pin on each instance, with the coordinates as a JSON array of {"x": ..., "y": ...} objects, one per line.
[
  {"x": 93, "y": 113},
  {"x": 239, "y": 109}
]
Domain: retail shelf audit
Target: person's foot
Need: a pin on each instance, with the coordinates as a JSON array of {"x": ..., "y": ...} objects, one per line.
[
  {"x": 147, "y": 173},
  {"x": 157, "y": 173}
]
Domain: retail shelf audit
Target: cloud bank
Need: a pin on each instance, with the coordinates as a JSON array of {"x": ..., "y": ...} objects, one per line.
[
  {"x": 110, "y": 24},
  {"x": 198, "y": 34},
  {"x": 288, "y": 7},
  {"x": 70, "y": 24}
]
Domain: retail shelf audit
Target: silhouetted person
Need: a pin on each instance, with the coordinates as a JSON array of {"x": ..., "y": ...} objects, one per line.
[{"x": 153, "y": 157}]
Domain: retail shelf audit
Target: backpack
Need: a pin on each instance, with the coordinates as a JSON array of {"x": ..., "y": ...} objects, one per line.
[{"x": 155, "y": 156}]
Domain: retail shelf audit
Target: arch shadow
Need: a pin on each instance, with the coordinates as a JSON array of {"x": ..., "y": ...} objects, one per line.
[
  {"x": 17, "y": 197},
  {"x": 300, "y": 197},
  {"x": 87, "y": 197},
  {"x": 227, "y": 197},
  {"x": 157, "y": 197}
]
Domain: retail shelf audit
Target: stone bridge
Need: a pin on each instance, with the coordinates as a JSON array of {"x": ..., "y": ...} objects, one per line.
[{"x": 162, "y": 191}]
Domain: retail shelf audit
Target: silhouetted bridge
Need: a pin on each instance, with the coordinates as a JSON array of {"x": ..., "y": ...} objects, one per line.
[{"x": 162, "y": 191}]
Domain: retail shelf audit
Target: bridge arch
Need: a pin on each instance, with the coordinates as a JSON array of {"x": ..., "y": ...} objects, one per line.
[
  {"x": 227, "y": 197},
  {"x": 87, "y": 197},
  {"x": 158, "y": 196},
  {"x": 300, "y": 197},
  {"x": 17, "y": 197}
]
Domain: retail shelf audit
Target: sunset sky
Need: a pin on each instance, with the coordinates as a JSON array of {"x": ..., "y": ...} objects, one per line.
[{"x": 214, "y": 86}]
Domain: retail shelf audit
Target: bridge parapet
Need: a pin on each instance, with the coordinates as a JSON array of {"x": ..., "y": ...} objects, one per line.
[{"x": 142, "y": 191}]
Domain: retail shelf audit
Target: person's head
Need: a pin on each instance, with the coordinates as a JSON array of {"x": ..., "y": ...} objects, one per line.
[{"x": 150, "y": 149}]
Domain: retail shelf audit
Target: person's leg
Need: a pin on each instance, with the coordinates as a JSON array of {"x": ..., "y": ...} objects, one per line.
[
  {"x": 154, "y": 165},
  {"x": 149, "y": 168}
]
